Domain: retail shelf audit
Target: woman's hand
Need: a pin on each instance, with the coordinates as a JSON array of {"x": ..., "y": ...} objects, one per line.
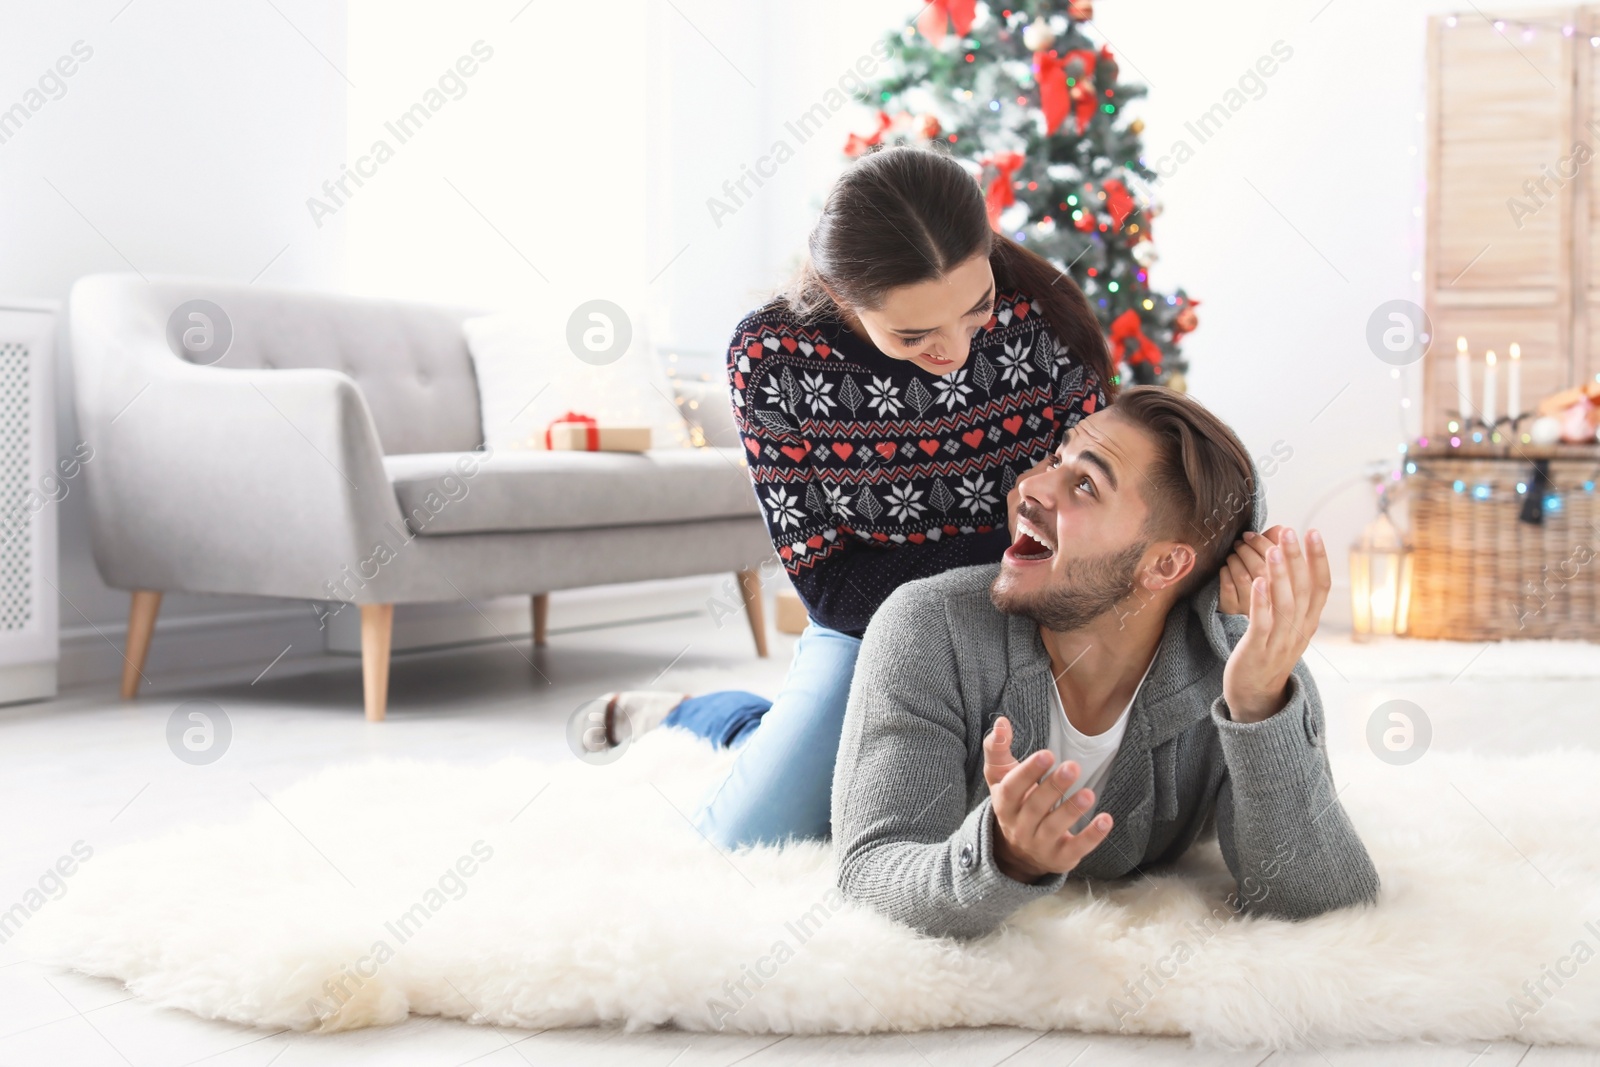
[
  {"x": 1285, "y": 606},
  {"x": 1247, "y": 563}
]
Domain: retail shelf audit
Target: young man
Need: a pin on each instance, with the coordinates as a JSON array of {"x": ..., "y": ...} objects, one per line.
[{"x": 994, "y": 706}]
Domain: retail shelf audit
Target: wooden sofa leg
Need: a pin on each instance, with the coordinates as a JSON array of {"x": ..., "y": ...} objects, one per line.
[
  {"x": 750, "y": 591},
  {"x": 142, "y": 612},
  {"x": 541, "y": 618},
  {"x": 377, "y": 627}
]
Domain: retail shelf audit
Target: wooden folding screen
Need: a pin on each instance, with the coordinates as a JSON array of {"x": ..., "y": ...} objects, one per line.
[{"x": 1512, "y": 228}]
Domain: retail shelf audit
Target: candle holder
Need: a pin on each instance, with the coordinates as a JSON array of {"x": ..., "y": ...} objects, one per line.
[
  {"x": 1473, "y": 430},
  {"x": 1467, "y": 428},
  {"x": 1510, "y": 424}
]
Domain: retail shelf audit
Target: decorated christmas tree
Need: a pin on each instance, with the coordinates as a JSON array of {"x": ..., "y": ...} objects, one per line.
[{"x": 1035, "y": 108}]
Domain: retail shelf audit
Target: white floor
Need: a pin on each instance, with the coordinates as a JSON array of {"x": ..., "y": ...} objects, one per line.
[{"x": 87, "y": 767}]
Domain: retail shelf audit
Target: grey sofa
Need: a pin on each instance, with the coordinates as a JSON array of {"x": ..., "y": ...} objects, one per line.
[{"x": 334, "y": 453}]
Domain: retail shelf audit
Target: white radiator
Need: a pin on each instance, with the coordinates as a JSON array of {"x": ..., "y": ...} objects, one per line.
[{"x": 33, "y": 482}]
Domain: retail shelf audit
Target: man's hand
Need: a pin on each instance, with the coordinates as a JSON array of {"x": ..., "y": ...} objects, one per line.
[
  {"x": 1285, "y": 605},
  {"x": 1247, "y": 563},
  {"x": 1034, "y": 840}
]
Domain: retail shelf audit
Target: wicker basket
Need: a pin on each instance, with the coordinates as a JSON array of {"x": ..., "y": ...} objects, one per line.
[{"x": 1481, "y": 571}]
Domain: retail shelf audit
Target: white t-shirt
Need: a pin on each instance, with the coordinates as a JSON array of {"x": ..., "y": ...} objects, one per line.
[{"x": 1093, "y": 753}]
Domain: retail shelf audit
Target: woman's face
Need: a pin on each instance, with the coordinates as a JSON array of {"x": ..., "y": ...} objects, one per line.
[{"x": 931, "y": 323}]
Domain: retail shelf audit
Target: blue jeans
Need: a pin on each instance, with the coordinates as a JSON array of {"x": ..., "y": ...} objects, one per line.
[{"x": 781, "y": 783}]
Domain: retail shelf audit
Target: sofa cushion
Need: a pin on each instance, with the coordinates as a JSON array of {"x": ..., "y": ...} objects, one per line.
[
  {"x": 509, "y": 490},
  {"x": 529, "y": 374}
]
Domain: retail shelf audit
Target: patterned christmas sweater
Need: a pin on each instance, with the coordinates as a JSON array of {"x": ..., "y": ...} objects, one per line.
[{"x": 872, "y": 472}]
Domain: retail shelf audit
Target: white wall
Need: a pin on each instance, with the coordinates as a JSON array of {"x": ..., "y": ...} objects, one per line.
[
  {"x": 726, "y": 79},
  {"x": 528, "y": 179},
  {"x": 186, "y": 144}
]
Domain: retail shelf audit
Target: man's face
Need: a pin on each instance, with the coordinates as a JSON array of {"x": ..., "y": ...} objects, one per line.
[{"x": 1077, "y": 519}]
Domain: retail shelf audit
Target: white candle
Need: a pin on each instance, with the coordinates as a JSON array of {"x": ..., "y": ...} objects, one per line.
[
  {"x": 1514, "y": 386},
  {"x": 1488, "y": 388},
  {"x": 1463, "y": 381}
]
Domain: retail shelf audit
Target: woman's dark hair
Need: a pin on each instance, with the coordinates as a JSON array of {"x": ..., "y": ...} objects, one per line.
[{"x": 903, "y": 214}]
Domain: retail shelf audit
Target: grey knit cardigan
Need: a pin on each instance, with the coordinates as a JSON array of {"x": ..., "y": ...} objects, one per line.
[{"x": 913, "y": 827}]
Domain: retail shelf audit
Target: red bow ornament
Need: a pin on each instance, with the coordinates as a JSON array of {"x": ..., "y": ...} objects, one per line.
[
  {"x": 1118, "y": 201},
  {"x": 1127, "y": 332},
  {"x": 1000, "y": 194},
  {"x": 855, "y": 144},
  {"x": 1049, "y": 72},
  {"x": 936, "y": 13},
  {"x": 1056, "y": 97}
]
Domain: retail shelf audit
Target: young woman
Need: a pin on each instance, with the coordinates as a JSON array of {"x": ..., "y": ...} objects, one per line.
[{"x": 887, "y": 400}]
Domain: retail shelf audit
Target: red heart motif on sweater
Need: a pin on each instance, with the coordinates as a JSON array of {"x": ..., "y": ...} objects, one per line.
[
  {"x": 843, "y": 450},
  {"x": 916, "y": 539},
  {"x": 930, "y": 447},
  {"x": 1021, "y": 310},
  {"x": 1013, "y": 424},
  {"x": 785, "y": 552},
  {"x": 789, "y": 343},
  {"x": 985, "y": 529},
  {"x": 973, "y": 437},
  {"x": 796, "y": 454},
  {"x": 753, "y": 446},
  {"x": 815, "y": 542},
  {"x": 880, "y": 537},
  {"x": 823, "y": 350},
  {"x": 1049, "y": 413},
  {"x": 884, "y": 449},
  {"x": 754, "y": 351},
  {"x": 1088, "y": 404},
  {"x": 951, "y": 530}
]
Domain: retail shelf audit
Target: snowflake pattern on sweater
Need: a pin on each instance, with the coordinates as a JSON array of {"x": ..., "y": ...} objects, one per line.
[{"x": 872, "y": 472}]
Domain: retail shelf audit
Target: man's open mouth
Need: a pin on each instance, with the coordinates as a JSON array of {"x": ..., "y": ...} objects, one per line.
[{"x": 1026, "y": 546}]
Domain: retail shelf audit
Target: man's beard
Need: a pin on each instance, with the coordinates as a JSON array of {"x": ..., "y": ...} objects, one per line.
[{"x": 1088, "y": 589}]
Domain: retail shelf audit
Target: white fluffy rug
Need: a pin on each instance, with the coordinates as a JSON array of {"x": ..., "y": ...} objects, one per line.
[
  {"x": 588, "y": 898},
  {"x": 1395, "y": 659}
]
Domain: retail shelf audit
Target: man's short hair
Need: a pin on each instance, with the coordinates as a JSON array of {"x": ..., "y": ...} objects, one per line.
[{"x": 1201, "y": 488}]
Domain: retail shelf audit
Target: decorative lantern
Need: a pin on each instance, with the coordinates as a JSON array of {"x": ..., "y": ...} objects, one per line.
[{"x": 1380, "y": 578}]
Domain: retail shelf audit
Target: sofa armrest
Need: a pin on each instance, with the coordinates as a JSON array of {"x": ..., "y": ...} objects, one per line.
[{"x": 216, "y": 480}]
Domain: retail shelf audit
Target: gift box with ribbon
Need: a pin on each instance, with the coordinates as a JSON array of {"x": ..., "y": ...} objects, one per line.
[{"x": 576, "y": 432}]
